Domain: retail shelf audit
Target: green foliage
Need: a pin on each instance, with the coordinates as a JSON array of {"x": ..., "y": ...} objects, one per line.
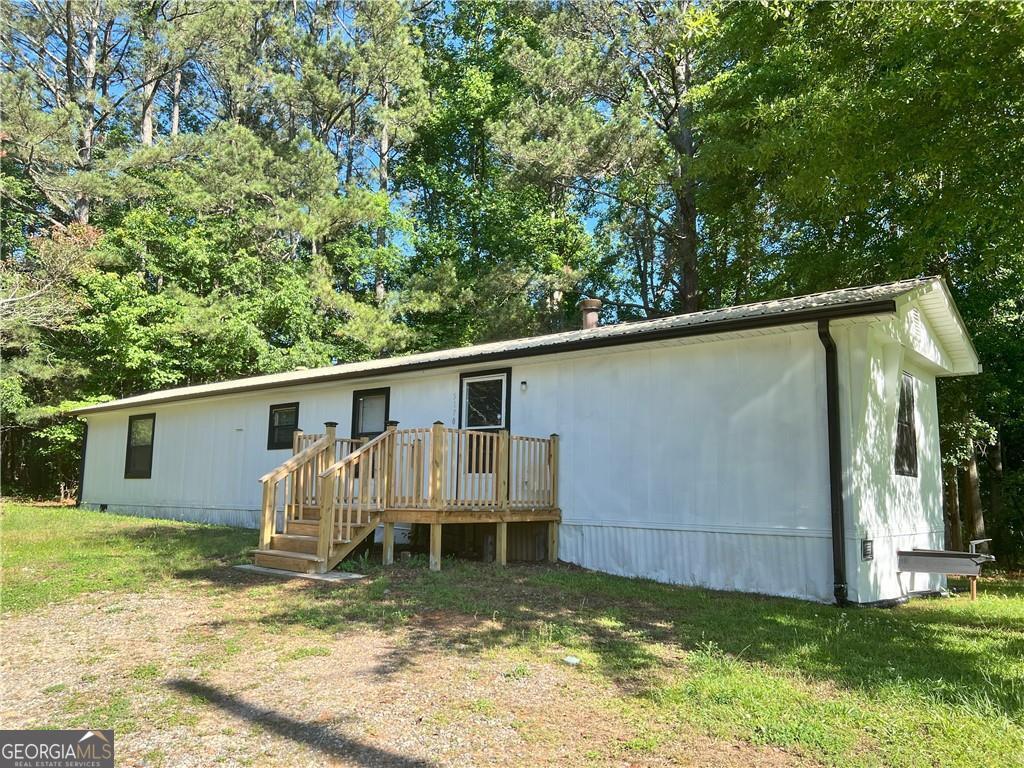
[
  {"x": 12, "y": 398},
  {"x": 863, "y": 142},
  {"x": 329, "y": 182},
  {"x": 494, "y": 257}
]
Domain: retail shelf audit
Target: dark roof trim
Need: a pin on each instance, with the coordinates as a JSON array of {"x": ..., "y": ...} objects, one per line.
[{"x": 796, "y": 317}]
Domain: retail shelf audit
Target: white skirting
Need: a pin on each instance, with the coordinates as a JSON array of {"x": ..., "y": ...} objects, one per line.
[
  {"x": 237, "y": 518},
  {"x": 799, "y": 565}
]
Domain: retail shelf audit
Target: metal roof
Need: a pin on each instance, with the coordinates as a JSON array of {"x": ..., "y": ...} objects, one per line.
[{"x": 845, "y": 302}]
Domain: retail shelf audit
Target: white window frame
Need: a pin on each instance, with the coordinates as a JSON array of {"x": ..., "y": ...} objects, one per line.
[{"x": 464, "y": 396}]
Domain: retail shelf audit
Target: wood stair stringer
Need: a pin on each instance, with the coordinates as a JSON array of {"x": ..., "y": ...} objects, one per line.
[{"x": 344, "y": 549}]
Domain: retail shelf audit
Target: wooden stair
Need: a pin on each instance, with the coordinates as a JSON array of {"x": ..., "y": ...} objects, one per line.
[
  {"x": 295, "y": 549},
  {"x": 284, "y": 560},
  {"x": 291, "y": 542},
  {"x": 343, "y": 549},
  {"x": 303, "y": 528}
]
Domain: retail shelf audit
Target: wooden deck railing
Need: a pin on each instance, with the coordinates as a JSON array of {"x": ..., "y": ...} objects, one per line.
[
  {"x": 444, "y": 468},
  {"x": 302, "y": 490},
  {"x": 353, "y": 488},
  {"x": 294, "y": 486},
  {"x": 343, "y": 445},
  {"x": 428, "y": 468}
]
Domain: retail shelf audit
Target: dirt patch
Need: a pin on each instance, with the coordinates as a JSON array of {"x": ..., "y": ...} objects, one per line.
[{"x": 201, "y": 676}]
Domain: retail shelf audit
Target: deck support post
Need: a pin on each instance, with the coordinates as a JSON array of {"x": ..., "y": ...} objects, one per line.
[
  {"x": 389, "y": 543},
  {"x": 553, "y": 541},
  {"x": 501, "y": 544},
  {"x": 435, "y": 546}
]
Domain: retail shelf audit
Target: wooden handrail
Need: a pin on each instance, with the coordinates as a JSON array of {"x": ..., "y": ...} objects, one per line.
[
  {"x": 299, "y": 475},
  {"x": 297, "y": 460},
  {"x": 303, "y": 440},
  {"x": 355, "y": 454},
  {"x": 342, "y": 505}
]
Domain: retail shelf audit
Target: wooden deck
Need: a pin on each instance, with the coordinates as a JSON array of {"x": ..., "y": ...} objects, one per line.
[{"x": 334, "y": 493}]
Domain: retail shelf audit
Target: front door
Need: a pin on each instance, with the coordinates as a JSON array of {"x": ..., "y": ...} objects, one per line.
[
  {"x": 484, "y": 407},
  {"x": 370, "y": 412}
]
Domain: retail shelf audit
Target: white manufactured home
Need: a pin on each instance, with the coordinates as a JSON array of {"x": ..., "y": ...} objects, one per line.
[{"x": 787, "y": 447}]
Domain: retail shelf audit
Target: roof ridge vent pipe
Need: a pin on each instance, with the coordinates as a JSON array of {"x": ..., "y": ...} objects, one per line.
[
  {"x": 835, "y": 463},
  {"x": 590, "y": 309}
]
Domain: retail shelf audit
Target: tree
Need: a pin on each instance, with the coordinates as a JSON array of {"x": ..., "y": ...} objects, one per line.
[
  {"x": 496, "y": 255},
  {"x": 193, "y": 191},
  {"x": 67, "y": 82},
  {"x": 878, "y": 141},
  {"x": 221, "y": 240},
  {"x": 37, "y": 283},
  {"x": 609, "y": 114}
]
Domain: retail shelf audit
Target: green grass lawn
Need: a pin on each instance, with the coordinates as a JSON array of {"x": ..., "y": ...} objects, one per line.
[
  {"x": 937, "y": 682},
  {"x": 51, "y": 554}
]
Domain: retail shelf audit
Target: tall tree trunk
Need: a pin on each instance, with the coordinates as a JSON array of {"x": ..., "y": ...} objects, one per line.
[
  {"x": 994, "y": 455},
  {"x": 150, "y": 73},
  {"x": 148, "y": 100},
  {"x": 650, "y": 296},
  {"x": 85, "y": 141},
  {"x": 383, "y": 182},
  {"x": 350, "y": 150},
  {"x": 688, "y": 299},
  {"x": 970, "y": 499},
  {"x": 950, "y": 495},
  {"x": 685, "y": 222},
  {"x": 176, "y": 102},
  {"x": 69, "y": 50}
]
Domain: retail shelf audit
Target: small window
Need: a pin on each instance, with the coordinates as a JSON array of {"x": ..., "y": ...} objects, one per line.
[
  {"x": 484, "y": 401},
  {"x": 370, "y": 411},
  {"x": 906, "y": 430},
  {"x": 138, "y": 460},
  {"x": 284, "y": 421}
]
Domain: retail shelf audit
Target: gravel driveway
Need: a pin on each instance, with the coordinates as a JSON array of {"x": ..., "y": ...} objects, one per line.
[{"x": 204, "y": 673}]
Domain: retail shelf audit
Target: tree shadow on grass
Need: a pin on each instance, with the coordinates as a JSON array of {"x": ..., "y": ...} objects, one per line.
[
  {"x": 943, "y": 650},
  {"x": 468, "y": 609},
  {"x": 319, "y": 737},
  {"x": 201, "y": 547}
]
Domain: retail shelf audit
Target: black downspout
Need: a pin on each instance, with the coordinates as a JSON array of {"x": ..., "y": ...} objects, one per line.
[
  {"x": 81, "y": 467},
  {"x": 835, "y": 463}
]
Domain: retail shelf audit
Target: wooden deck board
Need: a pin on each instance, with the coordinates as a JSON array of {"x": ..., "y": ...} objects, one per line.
[{"x": 433, "y": 516}]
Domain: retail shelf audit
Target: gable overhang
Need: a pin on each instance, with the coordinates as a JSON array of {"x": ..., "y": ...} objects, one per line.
[{"x": 943, "y": 321}]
